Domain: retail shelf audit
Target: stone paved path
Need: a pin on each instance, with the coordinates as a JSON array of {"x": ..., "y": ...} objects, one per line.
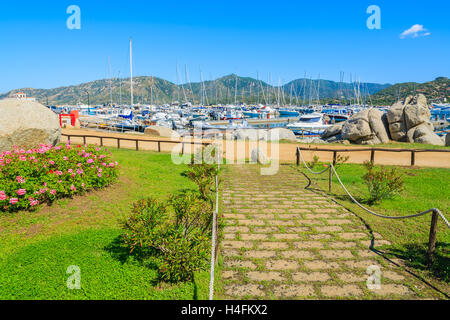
[{"x": 284, "y": 242}]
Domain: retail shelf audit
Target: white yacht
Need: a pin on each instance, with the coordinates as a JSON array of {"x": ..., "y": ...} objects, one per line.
[{"x": 311, "y": 124}]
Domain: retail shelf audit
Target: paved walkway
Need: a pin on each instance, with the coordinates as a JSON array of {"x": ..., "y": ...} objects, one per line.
[{"x": 284, "y": 242}]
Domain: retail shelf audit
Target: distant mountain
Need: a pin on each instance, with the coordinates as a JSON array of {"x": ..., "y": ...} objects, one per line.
[
  {"x": 227, "y": 89},
  {"x": 437, "y": 90}
]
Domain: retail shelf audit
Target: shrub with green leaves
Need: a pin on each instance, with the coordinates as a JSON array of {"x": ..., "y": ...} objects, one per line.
[
  {"x": 382, "y": 183},
  {"x": 176, "y": 241},
  {"x": 174, "y": 235}
]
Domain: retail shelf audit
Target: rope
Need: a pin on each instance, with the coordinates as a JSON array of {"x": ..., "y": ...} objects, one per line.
[
  {"x": 368, "y": 210},
  {"x": 388, "y": 217},
  {"x": 213, "y": 240},
  {"x": 303, "y": 160}
]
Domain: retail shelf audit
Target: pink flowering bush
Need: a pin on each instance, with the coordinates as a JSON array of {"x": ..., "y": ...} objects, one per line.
[{"x": 31, "y": 177}]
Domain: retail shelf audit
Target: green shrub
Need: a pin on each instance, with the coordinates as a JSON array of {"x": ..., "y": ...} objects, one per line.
[
  {"x": 191, "y": 212},
  {"x": 182, "y": 255},
  {"x": 204, "y": 176},
  {"x": 382, "y": 183},
  {"x": 175, "y": 240}
]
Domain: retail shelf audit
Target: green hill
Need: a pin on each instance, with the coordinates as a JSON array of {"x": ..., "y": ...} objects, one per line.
[
  {"x": 437, "y": 90},
  {"x": 227, "y": 89}
]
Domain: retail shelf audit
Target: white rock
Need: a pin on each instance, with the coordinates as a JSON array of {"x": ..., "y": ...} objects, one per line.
[
  {"x": 27, "y": 123},
  {"x": 259, "y": 157},
  {"x": 277, "y": 134},
  {"x": 160, "y": 131}
]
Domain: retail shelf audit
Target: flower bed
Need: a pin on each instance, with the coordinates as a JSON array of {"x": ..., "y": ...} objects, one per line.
[{"x": 31, "y": 177}]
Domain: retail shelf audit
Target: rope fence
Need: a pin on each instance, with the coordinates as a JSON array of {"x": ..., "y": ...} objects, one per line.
[
  {"x": 436, "y": 213},
  {"x": 101, "y": 138},
  {"x": 214, "y": 233},
  {"x": 372, "y": 152}
]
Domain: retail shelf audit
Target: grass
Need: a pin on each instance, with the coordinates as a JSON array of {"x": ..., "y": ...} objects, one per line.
[
  {"x": 392, "y": 144},
  {"x": 37, "y": 247},
  {"x": 424, "y": 188}
]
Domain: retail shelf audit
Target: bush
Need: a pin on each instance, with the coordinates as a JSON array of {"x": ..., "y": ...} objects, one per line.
[
  {"x": 31, "y": 177},
  {"x": 175, "y": 241},
  {"x": 382, "y": 183},
  {"x": 175, "y": 235}
]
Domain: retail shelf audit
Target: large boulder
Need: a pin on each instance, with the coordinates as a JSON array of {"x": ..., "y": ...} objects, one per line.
[
  {"x": 369, "y": 126},
  {"x": 259, "y": 156},
  {"x": 27, "y": 123},
  {"x": 332, "y": 131},
  {"x": 160, "y": 131},
  {"x": 277, "y": 134},
  {"x": 396, "y": 122},
  {"x": 410, "y": 121},
  {"x": 251, "y": 134}
]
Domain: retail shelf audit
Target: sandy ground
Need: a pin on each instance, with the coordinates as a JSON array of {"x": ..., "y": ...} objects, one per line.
[{"x": 285, "y": 152}]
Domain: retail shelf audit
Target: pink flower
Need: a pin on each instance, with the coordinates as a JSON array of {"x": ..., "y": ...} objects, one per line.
[
  {"x": 33, "y": 202},
  {"x": 43, "y": 190},
  {"x": 22, "y": 158},
  {"x": 53, "y": 192},
  {"x": 51, "y": 162},
  {"x": 20, "y": 179},
  {"x": 58, "y": 173},
  {"x": 100, "y": 170},
  {"x": 21, "y": 192},
  {"x": 90, "y": 160},
  {"x": 99, "y": 175},
  {"x": 80, "y": 171},
  {"x": 83, "y": 185},
  {"x": 70, "y": 171},
  {"x": 79, "y": 164},
  {"x": 65, "y": 158},
  {"x": 3, "y": 196},
  {"x": 72, "y": 187},
  {"x": 13, "y": 200},
  {"x": 59, "y": 181}
]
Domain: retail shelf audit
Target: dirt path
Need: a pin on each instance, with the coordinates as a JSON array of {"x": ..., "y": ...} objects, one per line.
[
  {"x": 284, "y": 242},
  {"x": 286, "y": 151}
]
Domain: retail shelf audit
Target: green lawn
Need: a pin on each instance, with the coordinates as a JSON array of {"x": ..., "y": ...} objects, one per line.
[
  {"x": 37, "y": 247},
  {"x": 424, "y": 188},
  {"x": 392, "y": 145}
]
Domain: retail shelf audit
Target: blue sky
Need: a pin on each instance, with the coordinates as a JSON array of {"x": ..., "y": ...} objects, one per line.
[{"x": 284, "y": 38}]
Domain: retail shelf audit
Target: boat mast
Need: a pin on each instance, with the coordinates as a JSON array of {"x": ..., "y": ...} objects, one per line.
[
  {"x": 110, "y": 82},
  {"x": 235, "y": 89},
  {"x": 120, "y": 90},
  {"x": 178, "y": 85},
  {"x": 131, "y": 70}
]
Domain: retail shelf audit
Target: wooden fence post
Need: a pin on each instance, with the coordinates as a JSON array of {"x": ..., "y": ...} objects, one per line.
[
  {"x": 413, "y": 158},
  {"x": 182, "y": 148},
  {"x": 334, "y": 157},
  {"x": 159, "y": 146},
  {"x": 432, "y": 239},
  {"x": 298, "y": 156},
  {"x": 372, "y": 156},
  {"x": 330, "y": 179},
  {"x": 137, "y": 145},
  {"x": 101, "y": 141},
  {"x": 118, "y": 143},
  {"x": 84, "y": 140}
]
